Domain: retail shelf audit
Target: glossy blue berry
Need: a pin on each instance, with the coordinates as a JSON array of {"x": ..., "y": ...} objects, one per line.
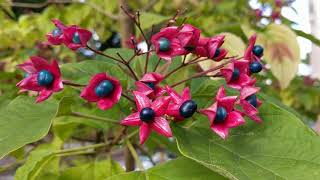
[
  {"x": 76, "y": 38},
  {"x": 44, "y": 78},
  {"x": 235, "y": 74},
  {"x": 221, "y": 115},
  {"x": 252, "y": 100},
  {"x": 217, "y": 53},
  {"x": 56, "y": 32},
  {"x": 116, "y": 40},
  {"x": 257, "y": 50},
  {"x": 147, "y": 114},
  {"x": 104, "y": 88},
  {"x": 164, "y": 44},
  {"x": 150, "y": 85},
  {"x": 189, "y": 48},
  {"x": 255, "y": 67},
  {"x": 188, "y": 108}
]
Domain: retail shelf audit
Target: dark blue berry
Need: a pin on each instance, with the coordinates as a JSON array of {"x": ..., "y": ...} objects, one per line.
[
  {"x": 164, "y": 44},
  {"x": 255, "y": 67},
  {"x": 188, "y": 108},
  {"x": 189, "y": 48},
  {"x": 257, "y": 50},
  {"x": 221, "y": 115},
  {"x": 44, "y": 78},
  {"x": 235, "y": 74},
  {"x": 217, "y": 53},
  {"x": 76, "y": 38},
  {"x": 147, "y": 114},
  {"x": 116, "y": 40},
  {"x": 104, "y": 88},
  {"x": 56, "y": 32},
  {"x": 252, "y": 100},
  {"x": 150, "y": 85}
]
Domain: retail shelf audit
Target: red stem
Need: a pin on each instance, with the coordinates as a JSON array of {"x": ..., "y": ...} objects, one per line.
[{"x": 200, "y": 74}]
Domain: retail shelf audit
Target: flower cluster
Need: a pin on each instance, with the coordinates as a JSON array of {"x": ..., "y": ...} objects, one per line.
[
  {"x": 176, "y": 41},
  {"x": 155, "y": 103}
]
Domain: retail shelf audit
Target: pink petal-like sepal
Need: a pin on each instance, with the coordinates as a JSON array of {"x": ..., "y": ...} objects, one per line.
[
  {"x": 177, "y": 101},
  {"x": 32, "y": 67},
  {"x": 221, "y": 122},
  {"x": 249, "y": 109},
  {"x": 54, "y": 38},
  {"x": 158, "y": 123},
  {"x": 106, "y": 102},
  {"x": 149, "y": 85},
  {"x": 70, "y": 32},
  {"x": 189, "y": 37},
  {"x": 242, "y": 78},
  {"x": 207, "y": 47},
  {"x": 174, "y": 48}
]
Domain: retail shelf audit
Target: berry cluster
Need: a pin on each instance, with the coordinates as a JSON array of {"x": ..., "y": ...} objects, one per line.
[{"x": 156, "y": 103}]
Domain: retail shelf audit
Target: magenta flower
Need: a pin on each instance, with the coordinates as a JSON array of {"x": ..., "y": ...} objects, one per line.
[
  {"x": 211, "y": 48},
  {"x": 189, "y": 37},
  {"x": 76, "y": 37},
  {"x": 182, "y": 106},
  {"x": 103, "y": 89},
  {"x": 41, "y": 77},
  {"x": 249, "y": 102},
  {"x": 166, "y": 43},
  {"x": 56, "y": 36},
  {"x": 221, "y": 114},
  {"x": 149, "y": 116},
  {"x": 253, "y": 54},
  {"x": 258, "y": 13},
  {"x": 148, "y": 85},
  {"x": 236, "y": 74}
]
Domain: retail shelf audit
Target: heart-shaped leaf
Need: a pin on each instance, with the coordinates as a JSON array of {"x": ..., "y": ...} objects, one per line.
[
  {"x": 281, "y": 147},
  {"x": 23, "y": 121}
]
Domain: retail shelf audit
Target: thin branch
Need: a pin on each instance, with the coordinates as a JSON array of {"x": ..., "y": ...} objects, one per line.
[
  {"x": 156, "y": 67},
  {"x": 80, "y": 115},
  {"x": 127, "y": 97},
  {"x": 128, "y": 66},
  {"x": 134, "y": 154},
  {"x": 148, "y": 6},
  {"x": 200, "y": 74},
  {"x": 69, "y": 83},
  {"x": 105, "y": 55}
]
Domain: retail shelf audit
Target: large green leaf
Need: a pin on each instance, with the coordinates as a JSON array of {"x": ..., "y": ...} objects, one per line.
[
  {"x": 179, "y": 169},
  {"x": 282, "y": 147},
  {"x": 97, "y": 170},
  {"x": 23, "y": 121}
]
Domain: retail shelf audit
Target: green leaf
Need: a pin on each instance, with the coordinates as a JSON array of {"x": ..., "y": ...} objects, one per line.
[
  {"x": 23, "y": 121},
  {"x": 282, "y": 147},
  {"x": 41, "y": 157},
  {"x": 178, "y": 169},
  {"x": 150, "y": 19},
  {"x": 95, "y": 170},
  {"x": 65, "y": 106}
]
